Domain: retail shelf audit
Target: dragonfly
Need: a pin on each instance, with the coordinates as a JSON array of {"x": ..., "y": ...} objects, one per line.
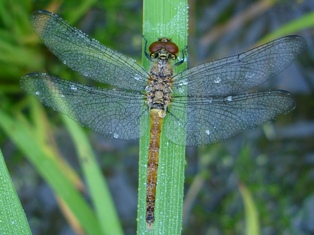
[{"x": 204, "y": 104}]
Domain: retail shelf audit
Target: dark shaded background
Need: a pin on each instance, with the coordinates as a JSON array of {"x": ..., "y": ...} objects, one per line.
[{"x": 275, "y": 161}]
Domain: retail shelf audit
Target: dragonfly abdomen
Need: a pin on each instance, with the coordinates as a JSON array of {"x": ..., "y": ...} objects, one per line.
[{"x": 152, "y": 166}]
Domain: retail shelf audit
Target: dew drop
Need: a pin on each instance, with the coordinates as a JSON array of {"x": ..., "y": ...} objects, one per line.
[
  {"x": 37, "y": 93},
  {"x": 73, "y": 87},
  {"x": 250, "y": 75},
  {"x": 137, "y": 77},
  {"x": 115, "y": 135},
  {"x": 183, "y": 82},
  {"x": 207, "y": 132},
  {"x": 181, "y": 90},
  {"x": 229, "y": 98},
  {"x": 64, "y": 61},
  {"x": 217, "y": 80},
  {"x": 148, "y": 88}
]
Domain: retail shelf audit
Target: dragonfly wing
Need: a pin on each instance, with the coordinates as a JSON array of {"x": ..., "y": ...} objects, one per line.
[
  {"x": 113, "y": 113},
  {"x": 236, "y": 74},
  {"x": 214, "y": 119},
  {"x": 87, "y": 56}
]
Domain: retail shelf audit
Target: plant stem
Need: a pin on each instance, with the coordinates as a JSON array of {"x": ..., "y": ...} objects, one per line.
[{"x": 166, "y": 18}]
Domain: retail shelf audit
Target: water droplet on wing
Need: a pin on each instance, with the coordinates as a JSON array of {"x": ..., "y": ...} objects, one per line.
[
  {"x": 73, "y": 88},
  {"x": 217, "y": 80}
]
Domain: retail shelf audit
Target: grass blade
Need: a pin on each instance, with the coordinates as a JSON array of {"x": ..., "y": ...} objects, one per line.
[
  {"x": 12, "y": 216},
  {"x": 98, "y": 188},
  {"x": 306, "y": 21},
  {"x": 251, "y": 215},
  {"x": 167, "y": 19},
  {"x": 43, "y": 160}
]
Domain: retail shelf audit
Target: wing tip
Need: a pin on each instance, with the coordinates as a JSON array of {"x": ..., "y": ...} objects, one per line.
[
  {"x": 33, "y": 75},
  {"x": 40, "y": 19},
  {"x": 296, "y": 38},
  {"x": 42, "y": 12}
]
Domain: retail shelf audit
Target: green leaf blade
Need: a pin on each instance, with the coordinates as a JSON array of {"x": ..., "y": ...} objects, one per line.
[
  {"x": 164, "y": 19},
  {"x": 12, "y": 216}
]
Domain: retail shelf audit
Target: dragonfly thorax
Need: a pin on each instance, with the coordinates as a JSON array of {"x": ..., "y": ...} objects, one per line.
[{"x": 159, "y": 84}]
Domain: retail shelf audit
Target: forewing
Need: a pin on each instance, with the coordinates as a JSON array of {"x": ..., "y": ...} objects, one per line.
[
  {"x": 214, "y": 119},
  {"x": 236, "y": 74},
  {"x": 113, "y": 113},
  {"x": 87, "y": 56}
]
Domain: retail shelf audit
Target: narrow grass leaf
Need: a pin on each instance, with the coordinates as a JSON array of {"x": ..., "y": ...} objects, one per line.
[
  {"x": 102, "y": 201},
  {"x": 304, "y": 22},
  {"x": 251, "y": 214},
  {"x": 12, "y": 216},
  {"x": 166, "y": 18},
  {"x": 24, "y": 138}
]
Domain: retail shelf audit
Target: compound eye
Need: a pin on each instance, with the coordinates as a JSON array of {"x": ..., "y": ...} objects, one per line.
[
  {"x": 155, "y": 46},
  {"x": 171, "y": 47}
]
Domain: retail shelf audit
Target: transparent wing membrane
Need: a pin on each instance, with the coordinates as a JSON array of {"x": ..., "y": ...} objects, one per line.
[
  {"x": 216, "y": 105},
  {"x": 112, "y": 113},
  {"x": 87, "y": 56},
  {"x": 219, "y": 118},
  {"x": 236, "y": 74}
]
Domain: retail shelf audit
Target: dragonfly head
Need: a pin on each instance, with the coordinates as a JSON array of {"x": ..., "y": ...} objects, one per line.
[{"x": 163, "y": 49}]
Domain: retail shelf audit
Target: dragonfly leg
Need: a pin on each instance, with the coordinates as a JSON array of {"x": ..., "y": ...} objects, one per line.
[
  {"x": 145, "y": 49},
  {"x": 183, "y": 53}
]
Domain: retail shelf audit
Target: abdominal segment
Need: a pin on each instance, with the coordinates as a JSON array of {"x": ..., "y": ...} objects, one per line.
[{"x": 152, "y": 166}]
